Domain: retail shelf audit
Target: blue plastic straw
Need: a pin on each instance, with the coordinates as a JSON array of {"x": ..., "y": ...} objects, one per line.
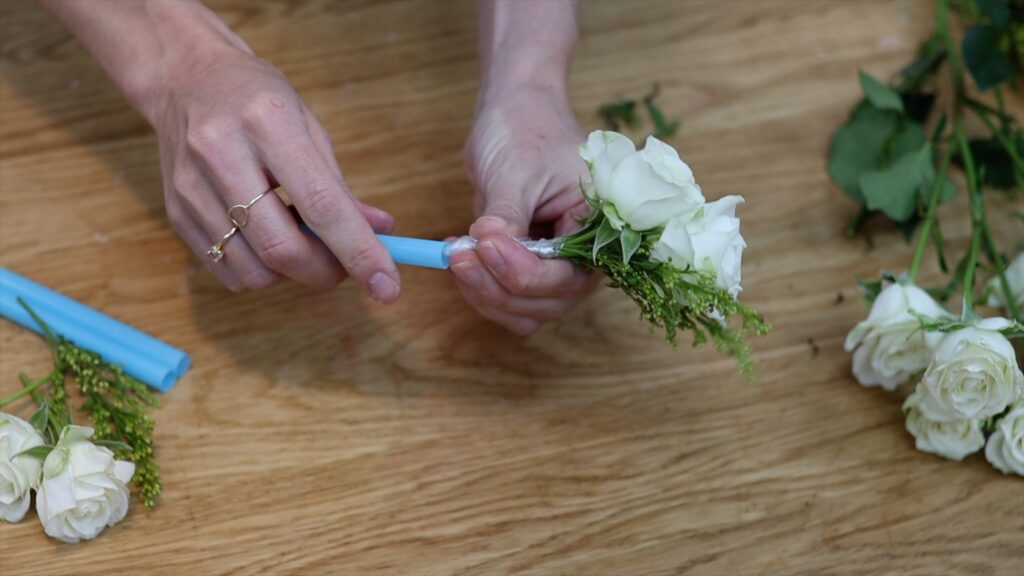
[
  {"x": 411, "y": 251},
  {"x": 416, "y": 251},
  {"x": 156, "y": 363}
]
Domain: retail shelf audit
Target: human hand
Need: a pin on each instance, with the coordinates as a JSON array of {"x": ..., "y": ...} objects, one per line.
[
  {"x": 230, "y": 127},
  {"x": 523, "y": 160}
]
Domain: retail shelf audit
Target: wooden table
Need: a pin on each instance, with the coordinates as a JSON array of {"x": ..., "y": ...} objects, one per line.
[{"x": 321, "y": 434}]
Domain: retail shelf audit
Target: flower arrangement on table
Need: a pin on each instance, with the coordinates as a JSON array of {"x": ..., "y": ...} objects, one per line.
[{"x": 966, "y": 389}]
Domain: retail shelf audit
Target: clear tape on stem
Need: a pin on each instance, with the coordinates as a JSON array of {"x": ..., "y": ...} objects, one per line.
[{"x": 545, "y": 248}]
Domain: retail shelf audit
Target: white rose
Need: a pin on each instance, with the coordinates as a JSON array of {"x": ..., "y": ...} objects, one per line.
[
  {"x": 18, "y": 475},
  {"x": 645, "y": 188},
  {"x": 709, "y": 241},
  {"x": 1015, "y": 278},
  {"x": 890, "y": 346},
  {"x": 1005, "y": 449},
  {"x": 973, "y": 374},
  {"x": 952, "y": 440},
  {"x": 83, "y": 489}
]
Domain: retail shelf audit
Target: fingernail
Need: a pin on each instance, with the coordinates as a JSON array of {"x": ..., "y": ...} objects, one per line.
[
  {"x": 492, "y": 257},
  {"x": 469, "y": 273},
  {"x": 383, "y": 288}
]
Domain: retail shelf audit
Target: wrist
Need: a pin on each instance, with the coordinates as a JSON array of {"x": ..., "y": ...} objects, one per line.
[{"x": 179, "y": 38}]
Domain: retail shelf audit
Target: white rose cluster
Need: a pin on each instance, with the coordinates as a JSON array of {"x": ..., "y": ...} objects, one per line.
[
  {"x": 889, "y": 347},
  {"x": 81, "y": 489},
  {"x": 969, "y": 376},
  {"x": 652, "y": 189}
]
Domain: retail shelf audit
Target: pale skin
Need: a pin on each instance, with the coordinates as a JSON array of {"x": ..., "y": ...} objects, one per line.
[{"x": 231, "y": 126}]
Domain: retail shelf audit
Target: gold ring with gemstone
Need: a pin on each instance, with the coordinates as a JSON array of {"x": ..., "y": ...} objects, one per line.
[{"x": 216, "y": 252}]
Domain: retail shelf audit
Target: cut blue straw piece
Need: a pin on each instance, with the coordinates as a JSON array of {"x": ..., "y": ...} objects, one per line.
[
  {"x": 411, "y": 251},
  {"x": 151, "y": 361},
  {"x": 417, "y": 251}
]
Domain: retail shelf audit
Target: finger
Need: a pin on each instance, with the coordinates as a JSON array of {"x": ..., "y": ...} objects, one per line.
[
  {"x": 209, "y": 212},
  {"x": 270, "y": 230},
  {"x": 506, "y": 213},
  {"x": 323, "y": 200},
  {"x": 523, "y": 274},
  {"x": 488, "y": 294},
  {"x": 196, "y": 239},
  {"x": 520, "y": 325},
  {"x": 380, "y": 221}
]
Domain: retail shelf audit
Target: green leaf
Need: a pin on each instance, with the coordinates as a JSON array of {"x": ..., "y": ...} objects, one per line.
[
  {"x": 918, "y": 105},
  {"x": 605, "y": 235},
  {"x": 39, "y": 452},
  {"x": 870, "y": 288},
  {"x": 985, "y": 60},
  {"x": 662, "y": 128},
  {"x": 915, "y": 73},
  {"x": 893, "y": 190},
  {"x": 630, "y": 240},
  {"x": 880, "y": 95},
  {"x": 997, "y": 11},
  {"x": 113, "y": 445},
  {"x": 40, "y": 418},
  {"x": 617, "y": 111},
  {"x": 990, "y": 156},
  {"x": 858, "y": 146},
  {"x": 909, "y": 138}
]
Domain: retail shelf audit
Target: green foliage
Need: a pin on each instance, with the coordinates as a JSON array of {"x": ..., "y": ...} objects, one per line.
[
  {"x": 880, "y": 95},
  {"x": 894, "y": 190},
  {"x": 117, "y": 405},
  {"x": 662, "y": 128},
  {"x": 985, "y": 58},
  {"x": 669, "y": 298},
  {"x": 620, "y": 113}
]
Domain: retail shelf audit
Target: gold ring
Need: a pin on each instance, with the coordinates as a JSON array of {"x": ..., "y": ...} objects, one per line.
[
  {"x": 239, "y": 213},
  {"x": 216, "y": 252}
]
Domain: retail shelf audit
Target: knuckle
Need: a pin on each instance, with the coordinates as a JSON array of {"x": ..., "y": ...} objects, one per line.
[
  {"x": 279, "y": 254},
  {"x": 263, "y": 109},
  {"x": 206, "y": 138},
  {"x": 362, "y": 259},
  {"x": 322, "y": 205}
]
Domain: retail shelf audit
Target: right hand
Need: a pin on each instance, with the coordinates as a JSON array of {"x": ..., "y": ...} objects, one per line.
[{"x": 230, "y": 127}]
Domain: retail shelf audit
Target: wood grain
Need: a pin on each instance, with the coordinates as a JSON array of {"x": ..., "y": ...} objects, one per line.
[{"x": 322, "y": 434}]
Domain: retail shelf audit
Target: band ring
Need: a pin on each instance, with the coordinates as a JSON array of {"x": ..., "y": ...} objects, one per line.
[
  {"x": 239, "y": 216},
  {"x": 239, "y": 213}
]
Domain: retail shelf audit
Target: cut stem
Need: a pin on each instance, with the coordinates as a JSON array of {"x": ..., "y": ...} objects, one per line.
[
  {"x": 30, "y": 388},
  {"x": 977, "y": 209},
  {"x": 933, "y": 205}
]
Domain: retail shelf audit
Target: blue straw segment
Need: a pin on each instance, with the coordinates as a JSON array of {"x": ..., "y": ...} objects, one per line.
[
  {"x": 411, "y": 251},
  {"x": 153, "y": 362},
  {"x": 417, "y": 251}
]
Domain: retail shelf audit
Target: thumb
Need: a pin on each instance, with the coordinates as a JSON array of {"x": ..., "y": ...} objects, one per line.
[{"x": 509, "y": 215}]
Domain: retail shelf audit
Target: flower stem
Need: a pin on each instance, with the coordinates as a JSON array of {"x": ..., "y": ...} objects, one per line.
[
  {"x": 30, "y": 388},
  {"x": 977, "y": 209},
  {"x": 933, "y": 205},
  {"x": 1004, "y": 284}
]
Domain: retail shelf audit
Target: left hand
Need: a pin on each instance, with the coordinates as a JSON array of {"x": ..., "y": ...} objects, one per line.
[{"x": 523, "y": 160}]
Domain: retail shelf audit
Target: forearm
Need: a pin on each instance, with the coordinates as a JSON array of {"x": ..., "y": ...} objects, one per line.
[
  {"x": 526, "y": 42},
  {"x": 142, "y": 44}
]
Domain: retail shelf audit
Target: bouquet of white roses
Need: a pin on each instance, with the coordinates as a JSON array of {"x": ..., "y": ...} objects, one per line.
[
  {"x": 651, "y": 232},
  {"x": 967, "y": 387}
]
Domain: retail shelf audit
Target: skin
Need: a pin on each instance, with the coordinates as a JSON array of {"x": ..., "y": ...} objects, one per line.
[
  {"x": 523, "y": 160},
  {"x": 230, "y": 126}
]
